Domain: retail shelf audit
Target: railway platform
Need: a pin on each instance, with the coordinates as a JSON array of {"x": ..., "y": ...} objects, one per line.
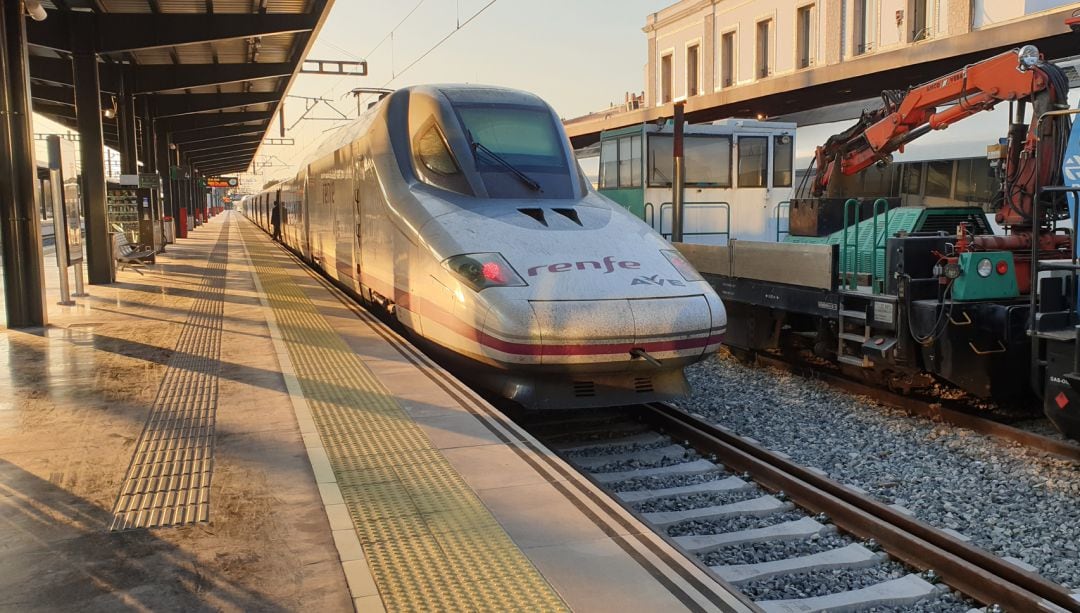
[{"x": 225, "y": 430}]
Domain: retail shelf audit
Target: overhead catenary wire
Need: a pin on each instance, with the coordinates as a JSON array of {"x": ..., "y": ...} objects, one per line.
[{"x": 460, "y": 25}]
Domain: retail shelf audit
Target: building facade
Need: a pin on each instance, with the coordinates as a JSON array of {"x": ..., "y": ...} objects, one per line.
[{"x": 699, "y": 47}]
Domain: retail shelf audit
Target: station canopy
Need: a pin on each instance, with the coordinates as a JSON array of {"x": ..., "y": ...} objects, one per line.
[{"x": 213, "y": 72}]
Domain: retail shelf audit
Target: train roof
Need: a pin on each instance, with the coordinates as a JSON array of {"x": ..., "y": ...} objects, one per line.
[
  {"x": 722, "y": 127},
  {"x": 456, "y": 93}
]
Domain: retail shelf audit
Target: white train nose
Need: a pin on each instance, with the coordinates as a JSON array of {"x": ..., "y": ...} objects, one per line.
[{"x": 595, "y": 332}]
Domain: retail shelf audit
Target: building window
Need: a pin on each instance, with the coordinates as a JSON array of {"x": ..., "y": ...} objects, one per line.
[
  {"x": 693, "y": 71},
  {"x": 665, "y": 79},
  {"x": 920, "y": 28},
  {"x": 753, "y": 161},
  {"x": 861, "y": 34},
  {"x": 764, "y": 30},
  {"x": 727, "y": 59},
  {"x": 783, "y": 160},
  {"x": 803, "y": 25}
]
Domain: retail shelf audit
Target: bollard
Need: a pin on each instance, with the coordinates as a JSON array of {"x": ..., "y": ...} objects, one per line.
[{"x": 182, "y": 229}]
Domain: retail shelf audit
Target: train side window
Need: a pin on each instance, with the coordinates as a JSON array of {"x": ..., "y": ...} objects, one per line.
[
  {"x": 708, "y": 161},
  {"x": 912, "y": 179},
  {"x": 660, "y": 167},
  {"x": 624, "y": 162},
  {"x": 435, "y": 163},
  {"x": 974, "y": 180},
  {"x": 609, "y": 164},
  {"x": 939, "y": 175},
  {"x": 635, "y": 161},
  {"x": 433, "y": 153},
  {"x": 753, "y": 161},
  {"x": 782, "y": 160}
]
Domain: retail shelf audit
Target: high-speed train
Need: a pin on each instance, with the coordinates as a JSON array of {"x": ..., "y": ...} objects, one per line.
[{"x": 462, "y": 211}]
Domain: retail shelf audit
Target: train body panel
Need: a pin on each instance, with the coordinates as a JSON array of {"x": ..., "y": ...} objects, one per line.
[{"x": 462, "y": 211}]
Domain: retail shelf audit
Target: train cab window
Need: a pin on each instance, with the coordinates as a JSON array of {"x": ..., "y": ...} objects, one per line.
[
  {"x": 524, "y": 138},
  {"x": 707, "y": 160},
  {"x": 753, "y": 161},
  {"x": 433, "y": 153},
  {"x": 660, "y": 164},
  {"x": 609, "y": 164},
  {"x": 782, "y": 160},
  {"x": 435, "y": 162}
]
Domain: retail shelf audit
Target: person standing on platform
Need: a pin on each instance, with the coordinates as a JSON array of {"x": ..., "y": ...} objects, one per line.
[{"x": 275, "y": 221}]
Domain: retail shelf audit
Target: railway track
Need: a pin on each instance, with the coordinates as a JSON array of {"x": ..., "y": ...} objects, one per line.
[
  {"x": 790, "y": 538},
  {"x": 935, "y": 410}
]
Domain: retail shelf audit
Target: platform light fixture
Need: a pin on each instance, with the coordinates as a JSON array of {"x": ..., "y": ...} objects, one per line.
[
  {"x": 35, "y": 10},
  {"x": 111, "y": 113}
]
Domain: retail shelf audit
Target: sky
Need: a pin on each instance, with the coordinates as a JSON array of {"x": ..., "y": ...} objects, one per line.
[{"x": 578, "y": 55}]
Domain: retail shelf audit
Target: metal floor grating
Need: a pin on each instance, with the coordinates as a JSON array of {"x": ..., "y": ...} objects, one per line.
[
  {"x": 430, "y": 542},
  {"x": 168, "y": 481}
]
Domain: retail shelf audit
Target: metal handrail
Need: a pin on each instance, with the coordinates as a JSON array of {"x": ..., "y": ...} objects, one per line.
[
  {"x": 850, "y": 281},
  {"x": 879, "y": 242},
  {"x": 717, "y": 204},
  {"x": 783, "y": 204},
  {"x": 648, "y": 211},
  {"x": 1033, "y": 303}
]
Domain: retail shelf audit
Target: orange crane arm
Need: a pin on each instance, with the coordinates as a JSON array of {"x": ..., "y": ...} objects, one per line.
[{"x": 1012, "y": 75}]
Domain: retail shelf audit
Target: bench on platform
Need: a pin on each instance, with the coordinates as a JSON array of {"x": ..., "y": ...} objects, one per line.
[{"x": 127, "y": 254}]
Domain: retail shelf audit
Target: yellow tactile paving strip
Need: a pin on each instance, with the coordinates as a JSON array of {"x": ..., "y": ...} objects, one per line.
[{"x": 431, "y": 544}]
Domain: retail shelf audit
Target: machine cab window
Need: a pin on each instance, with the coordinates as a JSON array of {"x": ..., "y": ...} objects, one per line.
[{"x": 738, "y": 177}]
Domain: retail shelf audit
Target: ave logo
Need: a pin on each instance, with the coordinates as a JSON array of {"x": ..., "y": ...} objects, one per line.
[
  {"x": 657, "y": 281},
  {"x": 1071, "y": 168}
]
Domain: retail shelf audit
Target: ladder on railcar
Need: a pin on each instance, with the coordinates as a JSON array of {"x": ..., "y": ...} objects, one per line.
[{"x": 853, "y": 322}]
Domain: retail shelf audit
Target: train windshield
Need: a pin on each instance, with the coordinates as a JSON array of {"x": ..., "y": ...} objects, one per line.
[{"x": 527, "y": 148}]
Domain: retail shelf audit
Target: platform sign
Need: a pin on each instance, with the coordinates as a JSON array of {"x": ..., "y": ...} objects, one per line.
[
  {"x": 222, "y": 182},
  {"x": 62, "y": 159}
]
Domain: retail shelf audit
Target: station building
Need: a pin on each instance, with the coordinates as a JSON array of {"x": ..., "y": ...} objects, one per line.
[
  {"x": 697, "y": 47},
  {"x": 732, "y": 58}
]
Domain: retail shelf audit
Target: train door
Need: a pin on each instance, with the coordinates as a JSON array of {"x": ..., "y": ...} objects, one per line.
[
  {"x": 358, "y": 218},
  {"x": 344, "y": 217},
  {"x": 752, "y": 210},
  {"x": 284, "y": 219},
  {"x": 781, "y": 184}
]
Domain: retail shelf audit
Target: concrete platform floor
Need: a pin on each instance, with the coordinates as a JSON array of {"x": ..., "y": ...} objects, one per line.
[
  {"x": 73, "y": 400},
  {"x": 75, "y": 396}
]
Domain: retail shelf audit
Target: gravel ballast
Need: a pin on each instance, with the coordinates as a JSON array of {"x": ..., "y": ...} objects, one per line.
[{"x": 1009, "y": 500}]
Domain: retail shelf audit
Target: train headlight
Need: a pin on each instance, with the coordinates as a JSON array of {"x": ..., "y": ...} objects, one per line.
[
  {"x": 483, "y": 270},
  {"x": 985, "y": 267},
  {"x": 679, "y": 262}
]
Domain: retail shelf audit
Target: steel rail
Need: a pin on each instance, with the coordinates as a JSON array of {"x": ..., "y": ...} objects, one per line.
[
  {"x": 1065, "y": 450},
  {"x": 968, "y": 569}
]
